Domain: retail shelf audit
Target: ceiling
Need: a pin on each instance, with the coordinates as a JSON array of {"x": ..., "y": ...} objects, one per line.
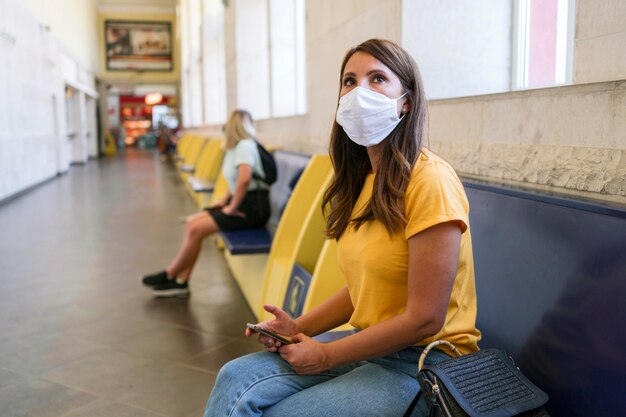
[{"x": 137, "y": 6}]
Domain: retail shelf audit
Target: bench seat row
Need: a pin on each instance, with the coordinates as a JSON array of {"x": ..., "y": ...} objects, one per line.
[
  {"x": 550, "y": 278},
  {"x": 289, "y": 262},
  {"x": 277, "y": 265},
  {"x": 198, "y": 161}
]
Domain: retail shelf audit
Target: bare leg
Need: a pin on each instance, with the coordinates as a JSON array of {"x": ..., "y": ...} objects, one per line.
[
  {"x": 197, "y": 227},
  {"x": 186, "y": 273}
]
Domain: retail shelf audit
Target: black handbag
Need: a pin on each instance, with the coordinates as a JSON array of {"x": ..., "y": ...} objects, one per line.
[{"x": 482, "y": 384}]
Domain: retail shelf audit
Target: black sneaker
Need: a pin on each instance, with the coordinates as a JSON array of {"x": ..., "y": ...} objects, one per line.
[
  {"x": 171, "y": 288},
  {"x": 155, "y": 279}
]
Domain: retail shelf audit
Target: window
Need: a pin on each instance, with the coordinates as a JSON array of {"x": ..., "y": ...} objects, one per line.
[
  {"x": 252, "y": 60},
  {"x": 214, "y": 63},
  {"x": 181, "y": 33},
  {"x": 463, "y": 48},
  {"x": 287, "y": 57},
  {"x": 186, "y": 60},
  {"x": 270, "y": 45},
  {"x": 194, "y": 69},
  {"x": 544, "y": 43},
  {"x": 203, "y": 78}
]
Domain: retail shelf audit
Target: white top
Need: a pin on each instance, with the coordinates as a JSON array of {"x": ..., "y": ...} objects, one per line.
[{"x": 245, "y": 152}]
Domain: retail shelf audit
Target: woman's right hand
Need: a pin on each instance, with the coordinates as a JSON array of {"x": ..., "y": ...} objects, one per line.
[{"x": 281, "y": 325}]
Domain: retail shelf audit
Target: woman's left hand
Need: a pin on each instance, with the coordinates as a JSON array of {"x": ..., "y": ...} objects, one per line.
[
  {"x": 305, "y": 355},
  {"x": 230, "y": 211}
]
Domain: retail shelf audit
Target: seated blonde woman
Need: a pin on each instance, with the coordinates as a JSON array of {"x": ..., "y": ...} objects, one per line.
[{"x": 246, "y": 205}]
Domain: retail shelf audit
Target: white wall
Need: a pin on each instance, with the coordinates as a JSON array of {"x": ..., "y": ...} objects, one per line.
[
  {"x": 91, "y": 131},
  {"x": 463, "y": 48},
  {"x": 600, "y": 41},
  {"x": 332, "y": 28},
  {"x": 33, "y": 75},
  {"x": 563, "y": 138},
  {"x": 72, "y": 22}
]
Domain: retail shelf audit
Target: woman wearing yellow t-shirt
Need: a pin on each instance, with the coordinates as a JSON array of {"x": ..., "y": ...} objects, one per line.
[{"x": 400, "y": 216}]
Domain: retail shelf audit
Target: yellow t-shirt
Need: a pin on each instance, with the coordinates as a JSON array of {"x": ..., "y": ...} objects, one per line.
[{"x": 376, "y": 264}]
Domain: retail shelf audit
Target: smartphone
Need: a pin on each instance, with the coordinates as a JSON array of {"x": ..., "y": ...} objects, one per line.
[{"x": 257, "y": 328}]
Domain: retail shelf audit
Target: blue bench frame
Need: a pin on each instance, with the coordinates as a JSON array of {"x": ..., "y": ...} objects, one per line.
[{"x": 551, "y": 279}]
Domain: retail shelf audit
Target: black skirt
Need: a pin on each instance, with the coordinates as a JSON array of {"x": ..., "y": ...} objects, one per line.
[{"x": 255, "y": 206}]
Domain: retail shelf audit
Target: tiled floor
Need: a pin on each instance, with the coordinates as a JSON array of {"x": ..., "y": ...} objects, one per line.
[{"x": 79, "y": 335}]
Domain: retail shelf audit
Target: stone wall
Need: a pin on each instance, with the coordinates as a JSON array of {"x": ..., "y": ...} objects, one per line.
[{"x": 572, "y": 137}]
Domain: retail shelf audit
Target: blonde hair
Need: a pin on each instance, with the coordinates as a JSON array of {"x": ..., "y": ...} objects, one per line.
[{"x": 238, "y": 127}]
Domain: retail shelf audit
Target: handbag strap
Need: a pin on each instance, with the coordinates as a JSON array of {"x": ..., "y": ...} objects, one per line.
[
  {"x": 419, "y": 368},
  {"x": 413, "y": 404},
  {"x": 431, "y": 408},
  {"x": 432, "y": 345}
]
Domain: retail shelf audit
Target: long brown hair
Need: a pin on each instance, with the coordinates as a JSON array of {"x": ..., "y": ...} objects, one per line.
[{"x": 400, "y": 151}]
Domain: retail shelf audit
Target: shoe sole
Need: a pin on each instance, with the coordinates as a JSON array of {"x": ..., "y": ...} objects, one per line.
[
  {"x": 175, "y": 292},
  {"x": 154, "y": 285}
]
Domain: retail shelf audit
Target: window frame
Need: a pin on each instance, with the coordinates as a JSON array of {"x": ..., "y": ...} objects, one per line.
[{"x": 521, "y": 49}]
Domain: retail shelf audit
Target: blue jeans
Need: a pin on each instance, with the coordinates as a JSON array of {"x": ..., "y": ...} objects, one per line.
[{"x": 264, "y": 384}]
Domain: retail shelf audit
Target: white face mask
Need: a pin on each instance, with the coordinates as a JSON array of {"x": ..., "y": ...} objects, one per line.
[{"x": 366, "y": 116}]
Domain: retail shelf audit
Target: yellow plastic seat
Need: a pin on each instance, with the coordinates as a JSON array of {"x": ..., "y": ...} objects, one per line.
[
  {"x": 182, "y": 145},
  {"x": 298, "y": 228},
  {"x": 190, "y": 155},
  {"x": 299, "y": 236},
  {"x": 219, "y": 190},
  {"x": 299, "y": 242},
  {"x": 326, "y": 280},
  {"x": 206, "y": 171}
]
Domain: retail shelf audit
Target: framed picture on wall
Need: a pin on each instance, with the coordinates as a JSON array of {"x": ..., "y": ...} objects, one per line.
[{"x": 138, "y": 46}]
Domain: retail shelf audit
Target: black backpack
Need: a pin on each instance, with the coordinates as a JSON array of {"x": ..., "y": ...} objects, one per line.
[{"x": 269, "y": 165}]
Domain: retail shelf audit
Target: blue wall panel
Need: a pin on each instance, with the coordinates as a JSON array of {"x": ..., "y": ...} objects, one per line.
[{"x": 551, "y": 283}]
